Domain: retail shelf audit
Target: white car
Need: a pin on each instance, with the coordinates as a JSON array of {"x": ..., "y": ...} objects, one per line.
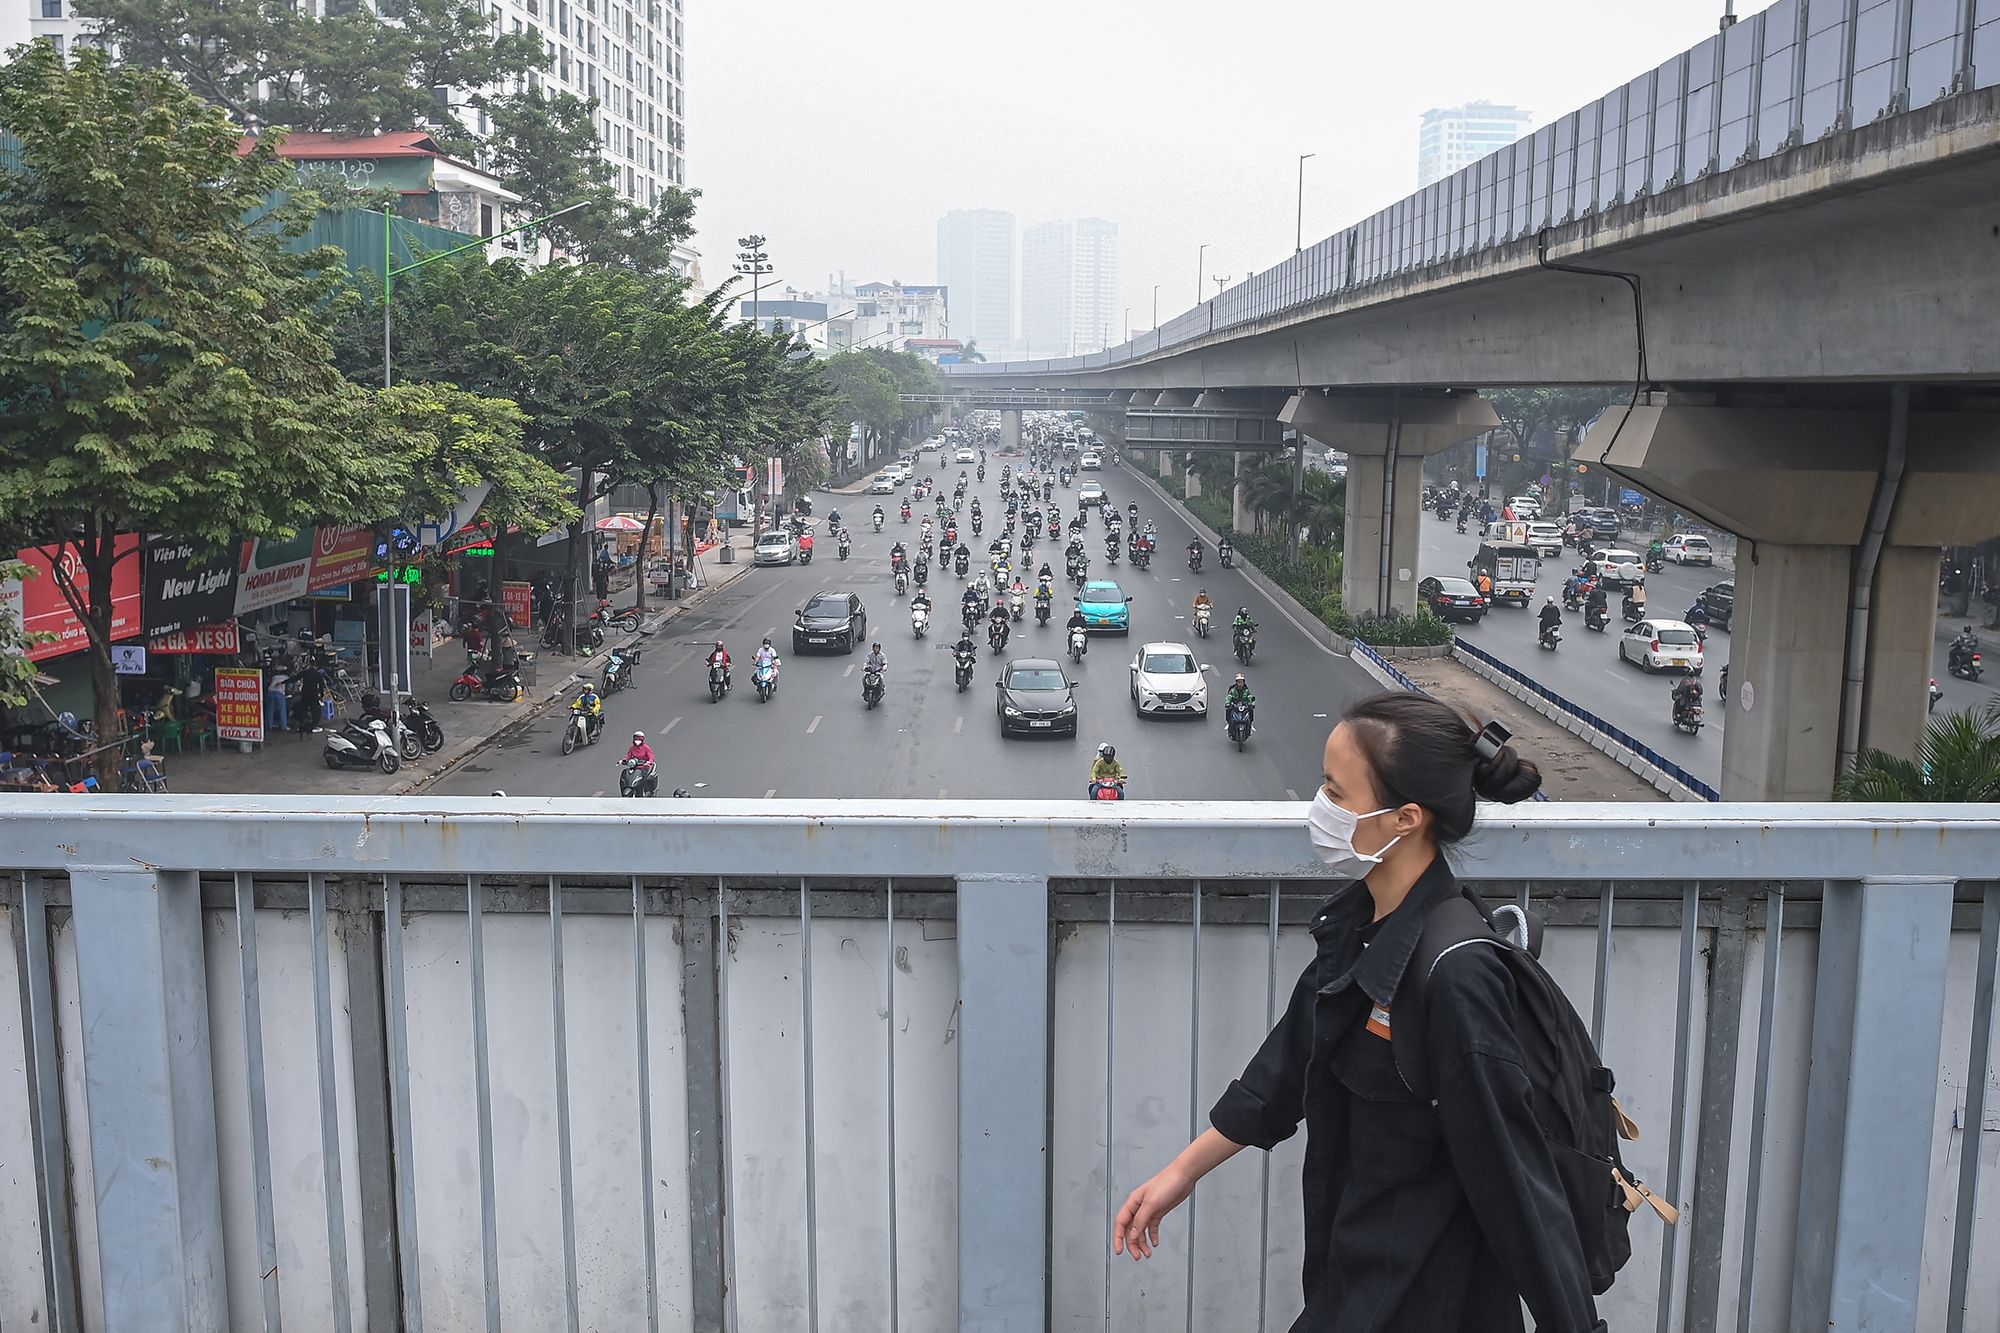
[
  {"x": 1167, "y": 681},
  {"x": 1661, "y": 645},
  {"x": 775, "y": 548},
  {"x": 1621, "y": 568},
  {"x": 1090, "y": 462},
  {"x": 1689, "y": 550},
  {"x": 885, "y": 484},
  {"x": 1546, "y": 538},
  {"x": 1090, "y": 493},
  {"x": 1525, "y": 507},
  {"x": 965, "y": 455}
]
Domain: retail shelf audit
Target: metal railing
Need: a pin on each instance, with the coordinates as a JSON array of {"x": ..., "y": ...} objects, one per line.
[
  {"x": 1795, "y": 73},
  {"x": 457, "y": 1065}
]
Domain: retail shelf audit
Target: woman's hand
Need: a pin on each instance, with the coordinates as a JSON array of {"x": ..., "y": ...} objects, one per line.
[{"x": 1138, "y": 1229}]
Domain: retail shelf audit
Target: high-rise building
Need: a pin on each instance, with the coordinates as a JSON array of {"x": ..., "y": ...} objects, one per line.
[
  {"x": 975, "y": 266},
  {"x": 1454, "y": 137},
  {"x": 1069, "y": 287}
]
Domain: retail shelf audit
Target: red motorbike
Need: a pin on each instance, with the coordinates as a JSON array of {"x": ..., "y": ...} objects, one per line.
[{"x": 484, "y": 679}]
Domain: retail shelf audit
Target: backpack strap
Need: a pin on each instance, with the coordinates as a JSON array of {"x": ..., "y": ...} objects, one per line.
[{"x": 1456, "y": 922}]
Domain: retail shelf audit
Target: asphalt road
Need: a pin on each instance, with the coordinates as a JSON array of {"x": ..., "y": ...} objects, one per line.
[{"x": 815, "y": 738}]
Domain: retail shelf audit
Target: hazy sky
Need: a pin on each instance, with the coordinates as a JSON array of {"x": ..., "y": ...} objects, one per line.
[{"x": 842, "y": 132}]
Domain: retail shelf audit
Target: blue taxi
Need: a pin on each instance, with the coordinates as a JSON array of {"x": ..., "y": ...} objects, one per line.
[{"x": 1105, "y": 607}]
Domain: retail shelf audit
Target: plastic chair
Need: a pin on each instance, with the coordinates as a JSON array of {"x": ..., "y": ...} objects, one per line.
[{"x": 168, "y": 731}]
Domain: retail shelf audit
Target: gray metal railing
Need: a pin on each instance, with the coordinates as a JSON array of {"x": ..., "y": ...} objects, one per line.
[
  {"x": 1794, "y": 73},
  {"x": 369, "y": 1065}
]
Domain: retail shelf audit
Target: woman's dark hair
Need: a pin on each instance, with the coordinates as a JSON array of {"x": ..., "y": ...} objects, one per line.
[{"x": 1422, "y": 752}]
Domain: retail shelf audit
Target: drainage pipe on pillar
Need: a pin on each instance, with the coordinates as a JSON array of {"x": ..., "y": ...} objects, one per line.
[
  {"x": 1298, "y": 485},
  {"x": 1862, "y": 584},
  {"x": 1382, "y": 574}
]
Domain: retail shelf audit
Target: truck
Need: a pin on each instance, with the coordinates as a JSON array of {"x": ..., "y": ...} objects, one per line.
[{"x": 1512, "y": 567}]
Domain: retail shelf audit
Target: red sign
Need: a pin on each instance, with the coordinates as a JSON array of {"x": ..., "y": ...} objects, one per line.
[
  {"x": 202, "y": 639},
  {"x": 44, "y": 609},
  {"x": 519, "y": 599},
  {"x": 340, "y": 555},
  {"x": 239, "y": 704}
]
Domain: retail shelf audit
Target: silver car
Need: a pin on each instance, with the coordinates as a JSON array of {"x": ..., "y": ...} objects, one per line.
[{"x": 776, "y": 548}]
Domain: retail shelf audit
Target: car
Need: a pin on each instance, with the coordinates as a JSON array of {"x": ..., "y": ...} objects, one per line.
[
  {"x": 1620, "y": 568},
  {"x": 1452, "y": 599},
  {"x": 1167, "y": 682},
  {"x": 1546, "y": 538},
  {"x": 885, "y": 484},
  {"x": 1720, "y": 599},
  {"x": 1689, "y": 549},
  {"x": 830, "y": 620},
  {"x": 932, "y": 445},
  {"x": 1090, "y": 493},
  {"x": 1525, "y": 507},
  {"x": 1090, "y": 461},
  {"x": 1105, "y": 607},
  {"x": 965, "y": 455},
  {"x": 1603, "y": 523},
  {"x": 1033, "y": 695},
  {"x": 775, "y": 548},
  {"x": 1660, "y": 645}
]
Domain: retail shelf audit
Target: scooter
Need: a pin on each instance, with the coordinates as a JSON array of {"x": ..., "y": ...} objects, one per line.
[
  {"x": 482, "y": 678},
  {"x": 963, "y": 672},
  {"x": 1194, "y": 562},
  {"x": 1041, "y": 610},
  {"x": 765, "y": 678},
  {"x": 923, "y": 572},
  {"x": 418, "y": 722},
  {"x": 1633, "y": 610},
  {"x": 1551, "y": 636},
  {"x": 805, "y": 554},
  {"x": 1245, "y": 644},
  {"x": 1017, "y": 605},
  {"x": 1936, "y": 693},
  {"x": 1227, "y": 553},
  {"x": 1201, "y": 620},
  {"x": 920, "y": 620},
  {"x": 362, "y": 746},
  {"x": 1965, "y": 666},
  {"x": 618, "y": 668},
  {"x": 581, "y": 729},
  {"x": 636, "y": 777},
  {"x": 844, "y": 544},
  {"x": 961, "y": 562},
  {"x": 1079, "y": 642},
  {"x": 902, "y": 582},
  {"x": 878, "y": 520},
  {"x": 871, "y": 688},
  {"x": 1238, "y": 717},
  {"x": 1108, "y": 791},
  {"x": 1111, "y": 550},
  {"x": 996, "y": 634},
  {"x": 1596, "y": 618},
  {"x": 718, "y": 681}
]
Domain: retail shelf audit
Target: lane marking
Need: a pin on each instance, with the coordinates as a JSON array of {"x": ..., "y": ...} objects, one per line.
[
  {"x": 848, "y": 672},
  {"x": 940, "y": 793},
  {"x": 670, "y": 726},
  {"x": 958, "y": 727},
  {"x": 769, "y": 794},
  {"x": 812, "y": 726},
  {"x": 598, "y": 792},
  {"x": 1289, "y": 792}
]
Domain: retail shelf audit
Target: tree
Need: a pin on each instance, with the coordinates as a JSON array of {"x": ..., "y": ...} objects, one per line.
[
  {"x": 971, "y": 352},
  {"x": 17, "y": 673},
  {"x": 361, "y": 70},
  {"x": 163, "y": 365},
  {"x": 443, "y": 440},
  {"x": 869, "y": 395},
  {"x": 1958, "y": 760}
]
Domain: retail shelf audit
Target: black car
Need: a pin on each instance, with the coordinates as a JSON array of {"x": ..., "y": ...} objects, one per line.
[
  {"x": 1033, "y": 695},
  {"x": 1604, "y": 523},
  {"x": 1720, "y": 599},
  {"x": 1453, "y": 599},
  {"x": 830, "y": 620}
]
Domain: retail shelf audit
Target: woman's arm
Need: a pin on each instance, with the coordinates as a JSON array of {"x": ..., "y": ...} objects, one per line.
[{"x": 1138, "y": 1230}]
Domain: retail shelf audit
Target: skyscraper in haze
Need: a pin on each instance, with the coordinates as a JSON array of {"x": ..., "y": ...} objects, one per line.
[
  {"x": 1457, "y": 136},
  {"x": 1069, "y": 287},
  {"x": 975, "y": 265}
]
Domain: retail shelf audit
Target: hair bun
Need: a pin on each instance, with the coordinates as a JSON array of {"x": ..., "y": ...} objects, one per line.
[{"x": 1506, "y": 777}]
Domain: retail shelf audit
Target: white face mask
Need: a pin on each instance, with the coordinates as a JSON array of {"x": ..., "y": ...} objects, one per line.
[{"x": 1332, "y": 829}]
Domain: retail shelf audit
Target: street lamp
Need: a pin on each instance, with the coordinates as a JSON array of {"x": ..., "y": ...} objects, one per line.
[
  {"x": 1299, "y": 241},
  {"x": 1220, "y": 280},
  {"x": 1200, "y": 269},
  {"x": 756, "y": 263},
  {"x": 1156, "y": 306}
]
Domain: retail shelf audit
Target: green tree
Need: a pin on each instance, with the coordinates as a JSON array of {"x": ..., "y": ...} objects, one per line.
[
  {"x": 163, "y": 360},
  {"x": 869, "y": 395},
  {"x": 357, "y": 69},
  {"x": 17, "y": 673},
  {"x": 1958, "y": 760},
  {"x": 442, "y": 440},
  {"x": 971, "y": 352}
]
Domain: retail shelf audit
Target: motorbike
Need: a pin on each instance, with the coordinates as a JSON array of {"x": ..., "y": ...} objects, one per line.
[
  {"x": 1227, "y": 554},
  {"x": 1113, "y": 790},
  {"x": 1238, "y": 717},
  {"x": 964, "y": 660},
  {"x": 581, "y": 729},
  {"x": 1633, "y": 608},
  {"x": 982, "y": 472},
  {"x": 920, "y": 620},
  {"x": 996, "y": 634},
  {"x": 718, "y": 681},
  {"x": 902, "y": 582},
  {"x": 1245, "y": 644},
  {"x": 589, "y": 635},
  {"x": 1964, "y": 664},
  {"x": 972, "y": 612},
  {"x": 1461, "y": 523},
  {"x": 1055, "y": 527},
  {"x": 1936, "y": 693},
  {"x": 906, "y": 513},
  {"x": 878, "y": 520},
  {"x": 1687, "y": 713},
  {"x": 1201, "y": 621},
  {"x": 844, "y": 545},
  {"x": 978, "y": 525},
  {"x": 805, "y": 554},
  {"x": 482, "y": 678},
  {"x": 765, "y": 678},
  {"x": 1111, "y": 550},
  {"x": 362, "y": 745},
  {"x": 1017, "y": 605},
  {"x": 1142, "y": 554},
  {"x": 871, "y": 688},
  {"x": 636, "y": 777},
  {"x": 922, "y": 573},
  {"x": 1655, "y": 563},
  {"x": 1079, "y": 642},
  {"x": 1041, "y": 610},
  {"x": 1194, "y": 562},
  {"x": 961, "y": 562},
  {"x": 418, "y": 723},
  {"x": 1596, "y": 618},
  {"x": 618, "y": 669},
  {"x": 1551, "y": 635}
]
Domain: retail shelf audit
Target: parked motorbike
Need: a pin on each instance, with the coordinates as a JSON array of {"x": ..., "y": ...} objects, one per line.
[
  {"x": 362, "y": 745},
  {"x": 871, "y": 688},
  {"x": 618, "y": 668},
  {"x": 483, "y": 678},
  {"x": 1238, "y": 716},
  {"x": 418, "y": 724},
  {"x": 765, "y": 678},
  {"x": 636, "y": 777}
]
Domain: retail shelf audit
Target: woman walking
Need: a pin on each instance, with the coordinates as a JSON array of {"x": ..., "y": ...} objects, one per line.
[{"x": 1421, "y": 1215}]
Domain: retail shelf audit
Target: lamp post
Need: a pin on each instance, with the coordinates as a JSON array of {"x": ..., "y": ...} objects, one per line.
[
  {"x": 756, "y": 263},
  {"x": 1220, "y": 280},
  {"x": 1200, "y": 270},
  {"x": 1156, "y": 307},
  {"x": 1299, "y": 240}
]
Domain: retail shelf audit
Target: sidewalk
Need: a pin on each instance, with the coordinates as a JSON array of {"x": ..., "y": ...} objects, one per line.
[{"x": 290, "y": 764}]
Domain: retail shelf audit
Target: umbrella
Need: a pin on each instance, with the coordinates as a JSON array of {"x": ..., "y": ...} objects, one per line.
[{"x": 620, "y": 523}]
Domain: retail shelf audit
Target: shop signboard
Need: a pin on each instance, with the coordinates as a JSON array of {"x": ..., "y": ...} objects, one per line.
[
  {"x": 239, "y": 704},
  {"x": 220, "y": 639},
  {"x": 273, "y": 572},
  {"x": 341, "y": 554},
  {"x": 424, "y": 637},
  {"x": 128, "y": 659},
  {"x": 44, "y": 610},
  {"x": 188, "y": 584},
  {"x": 519, "y": 599}
]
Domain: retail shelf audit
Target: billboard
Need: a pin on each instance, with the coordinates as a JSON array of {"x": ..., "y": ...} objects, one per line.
[
  {"x": 315, "y": 560},
  {"x": 39, "y": 602},
  {"x": 188, "y": 585},
  {"x": 239, "y": 704}
]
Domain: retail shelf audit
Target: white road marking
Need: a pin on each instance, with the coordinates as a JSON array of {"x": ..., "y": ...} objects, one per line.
[
  {"x": 670, "y": 726},
  {"x": 940, "y": 793},
  {"x": 598, "y": 792},
  {"x": 769, "y": 794},
  {"x": 958, "y": 727},
  {"x": 1289, "y": 792},
  {"x": 812, "y": 726},
  {"x": 850, "y": 671}
]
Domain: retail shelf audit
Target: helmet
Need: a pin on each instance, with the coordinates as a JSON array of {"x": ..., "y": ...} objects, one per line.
[
  {"x": 718, "y": 643},
  {"x": 1240, "y": 680},
  {"x": 1551, "y": 601},
  {"x": 640, "y": 736},
  {"x": 1104, "y": 751},
  {"x": 1204, "y": 592},
  {"x": 767, "y": 641},
  {"x": 1243, "y": 611}
]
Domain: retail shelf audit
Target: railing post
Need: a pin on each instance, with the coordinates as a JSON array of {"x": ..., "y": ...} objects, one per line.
[
  {"x": 1878, "y": 1018},
  {"x": 703, "y": 1059},
  {"x": 1003, "y": 995},
  {"x": 143, "y": 1000}
]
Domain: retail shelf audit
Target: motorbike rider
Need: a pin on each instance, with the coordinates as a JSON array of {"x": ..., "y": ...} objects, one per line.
[
  {"x": 973, "y": 604},
  {"x": 1202, "y": 599},
  {"x": 1239, "y": 695},
  {"x": 806, "y": 541},
  {"x": 876, "y": 662},
  {"x": 878, "y": 515},
  {"x": 1697, "y": 615},
  {"x": 997, "y": 618},
  {"x": 767, "y": 654},
  {"x": 1076, "y": 621},
  {"x": 1597, "y": 604},
  {"x": 592, "y": 707},
  {"x": 641, "y": 751},
  {"x": 1242, "y": 622},
  {"x": 899, "y": 555},
  {"x": 920, "y": 598},
  {"x": 1686, "y": 695},
  {"x": 1962, "y": 648},
  {"x": 1106, "y": 768},
  {"x": 721, "y": 657},
  {"x": 1195, "y": 548},
  {"x": 965, "y": 649},
  {"x": 1551, "y": 615}
]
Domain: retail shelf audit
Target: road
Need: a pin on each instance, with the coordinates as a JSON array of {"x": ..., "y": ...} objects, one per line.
[
  {"x": 815, "y": 738},
  {"x": 1586, "y": 669}
]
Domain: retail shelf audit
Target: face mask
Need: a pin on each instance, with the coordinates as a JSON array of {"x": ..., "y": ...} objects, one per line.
[{"x": 1332, "y": 829}]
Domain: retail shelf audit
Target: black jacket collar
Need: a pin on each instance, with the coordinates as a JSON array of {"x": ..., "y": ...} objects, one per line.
[{"x": 1379, "y": 969}]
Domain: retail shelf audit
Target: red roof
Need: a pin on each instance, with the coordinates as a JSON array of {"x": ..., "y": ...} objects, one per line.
[{"x": 315, "y": 145}]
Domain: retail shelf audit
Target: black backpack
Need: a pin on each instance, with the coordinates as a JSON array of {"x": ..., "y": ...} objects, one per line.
[{"x": 1580, "y": 1118}]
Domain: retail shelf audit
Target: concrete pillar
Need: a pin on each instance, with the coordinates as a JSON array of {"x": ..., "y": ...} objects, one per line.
[
  {"x": 1010, "y": 427},
  {"x": 1193, "y": 481},
  {"x": 1797, "y": 483},
  {"x": 1384, "y": 503},
  {"x": 1166, "y": 459},
  {"x": 1239, "y": 509}
]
